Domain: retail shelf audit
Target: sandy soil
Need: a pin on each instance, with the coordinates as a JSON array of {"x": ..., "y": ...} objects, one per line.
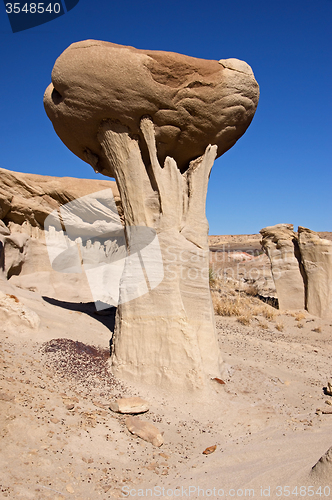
[{"x": 60, "y": 440}]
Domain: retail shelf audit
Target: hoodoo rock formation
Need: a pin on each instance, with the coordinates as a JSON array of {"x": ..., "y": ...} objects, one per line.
[
  {"x": 316, "y": 256},
  {"x": 148, "y": 119},
  {"x": 301, "y": 265},
  {"x": 280, "y": 244}
]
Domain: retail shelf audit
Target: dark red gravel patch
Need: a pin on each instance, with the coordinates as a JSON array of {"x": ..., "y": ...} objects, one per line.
[{"x": 82, "y": 364}]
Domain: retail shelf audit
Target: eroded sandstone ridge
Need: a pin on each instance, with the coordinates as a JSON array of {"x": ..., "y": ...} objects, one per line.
[
  {"x": 26, "y": 200},
  {"x": 148, "y": 119},
  {"x": 301, "y": 265}
]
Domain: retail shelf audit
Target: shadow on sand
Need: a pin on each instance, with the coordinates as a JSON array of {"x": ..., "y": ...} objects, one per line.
[{"x": 105, "y": 316}]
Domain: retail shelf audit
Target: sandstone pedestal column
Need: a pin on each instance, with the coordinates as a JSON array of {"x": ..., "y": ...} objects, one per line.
[
  {"x": 167, "y": 336},
  {"x": 281, "y": 246},
  {"x": 316, "y": 254}
]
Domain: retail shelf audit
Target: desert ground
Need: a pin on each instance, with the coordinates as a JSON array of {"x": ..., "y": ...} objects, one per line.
[{"x": 268, "y": 420}]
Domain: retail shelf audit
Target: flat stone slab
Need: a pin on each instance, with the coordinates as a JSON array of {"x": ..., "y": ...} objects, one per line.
[
  {"x": 130, "y": 405},
  {"x": 146, "y": 431}
]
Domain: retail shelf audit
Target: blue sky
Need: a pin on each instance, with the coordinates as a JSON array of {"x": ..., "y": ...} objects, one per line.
[{"x": 279, "y": 171}]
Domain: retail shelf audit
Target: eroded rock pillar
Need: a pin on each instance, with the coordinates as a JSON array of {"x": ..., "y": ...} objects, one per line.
[
  {"x": 281, "y": 246},
  {"x": 167, "y": 336},
  {"x": 316, "y": 255}
]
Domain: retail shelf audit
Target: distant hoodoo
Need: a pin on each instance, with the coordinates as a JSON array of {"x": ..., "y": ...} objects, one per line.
[{"x": 301, "y": 265}]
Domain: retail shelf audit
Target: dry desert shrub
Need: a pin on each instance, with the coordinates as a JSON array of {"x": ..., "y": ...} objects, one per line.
[
  {"x": 269, "y": 312},
  {"x": 280, "y": 327},
  {"x": 212, "y": 278},
  {"x": 227, "y": 306},
  {"x": 318, "y": 329},
  {"x": 299, "y": 316},
  {"x": 252, "y": 290},
  {"x": 243, "y": 307},
  {"x": 265, "y": 310},
  {"x": 245, "y": 320},
  {"x": 300, "y": 325}
]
